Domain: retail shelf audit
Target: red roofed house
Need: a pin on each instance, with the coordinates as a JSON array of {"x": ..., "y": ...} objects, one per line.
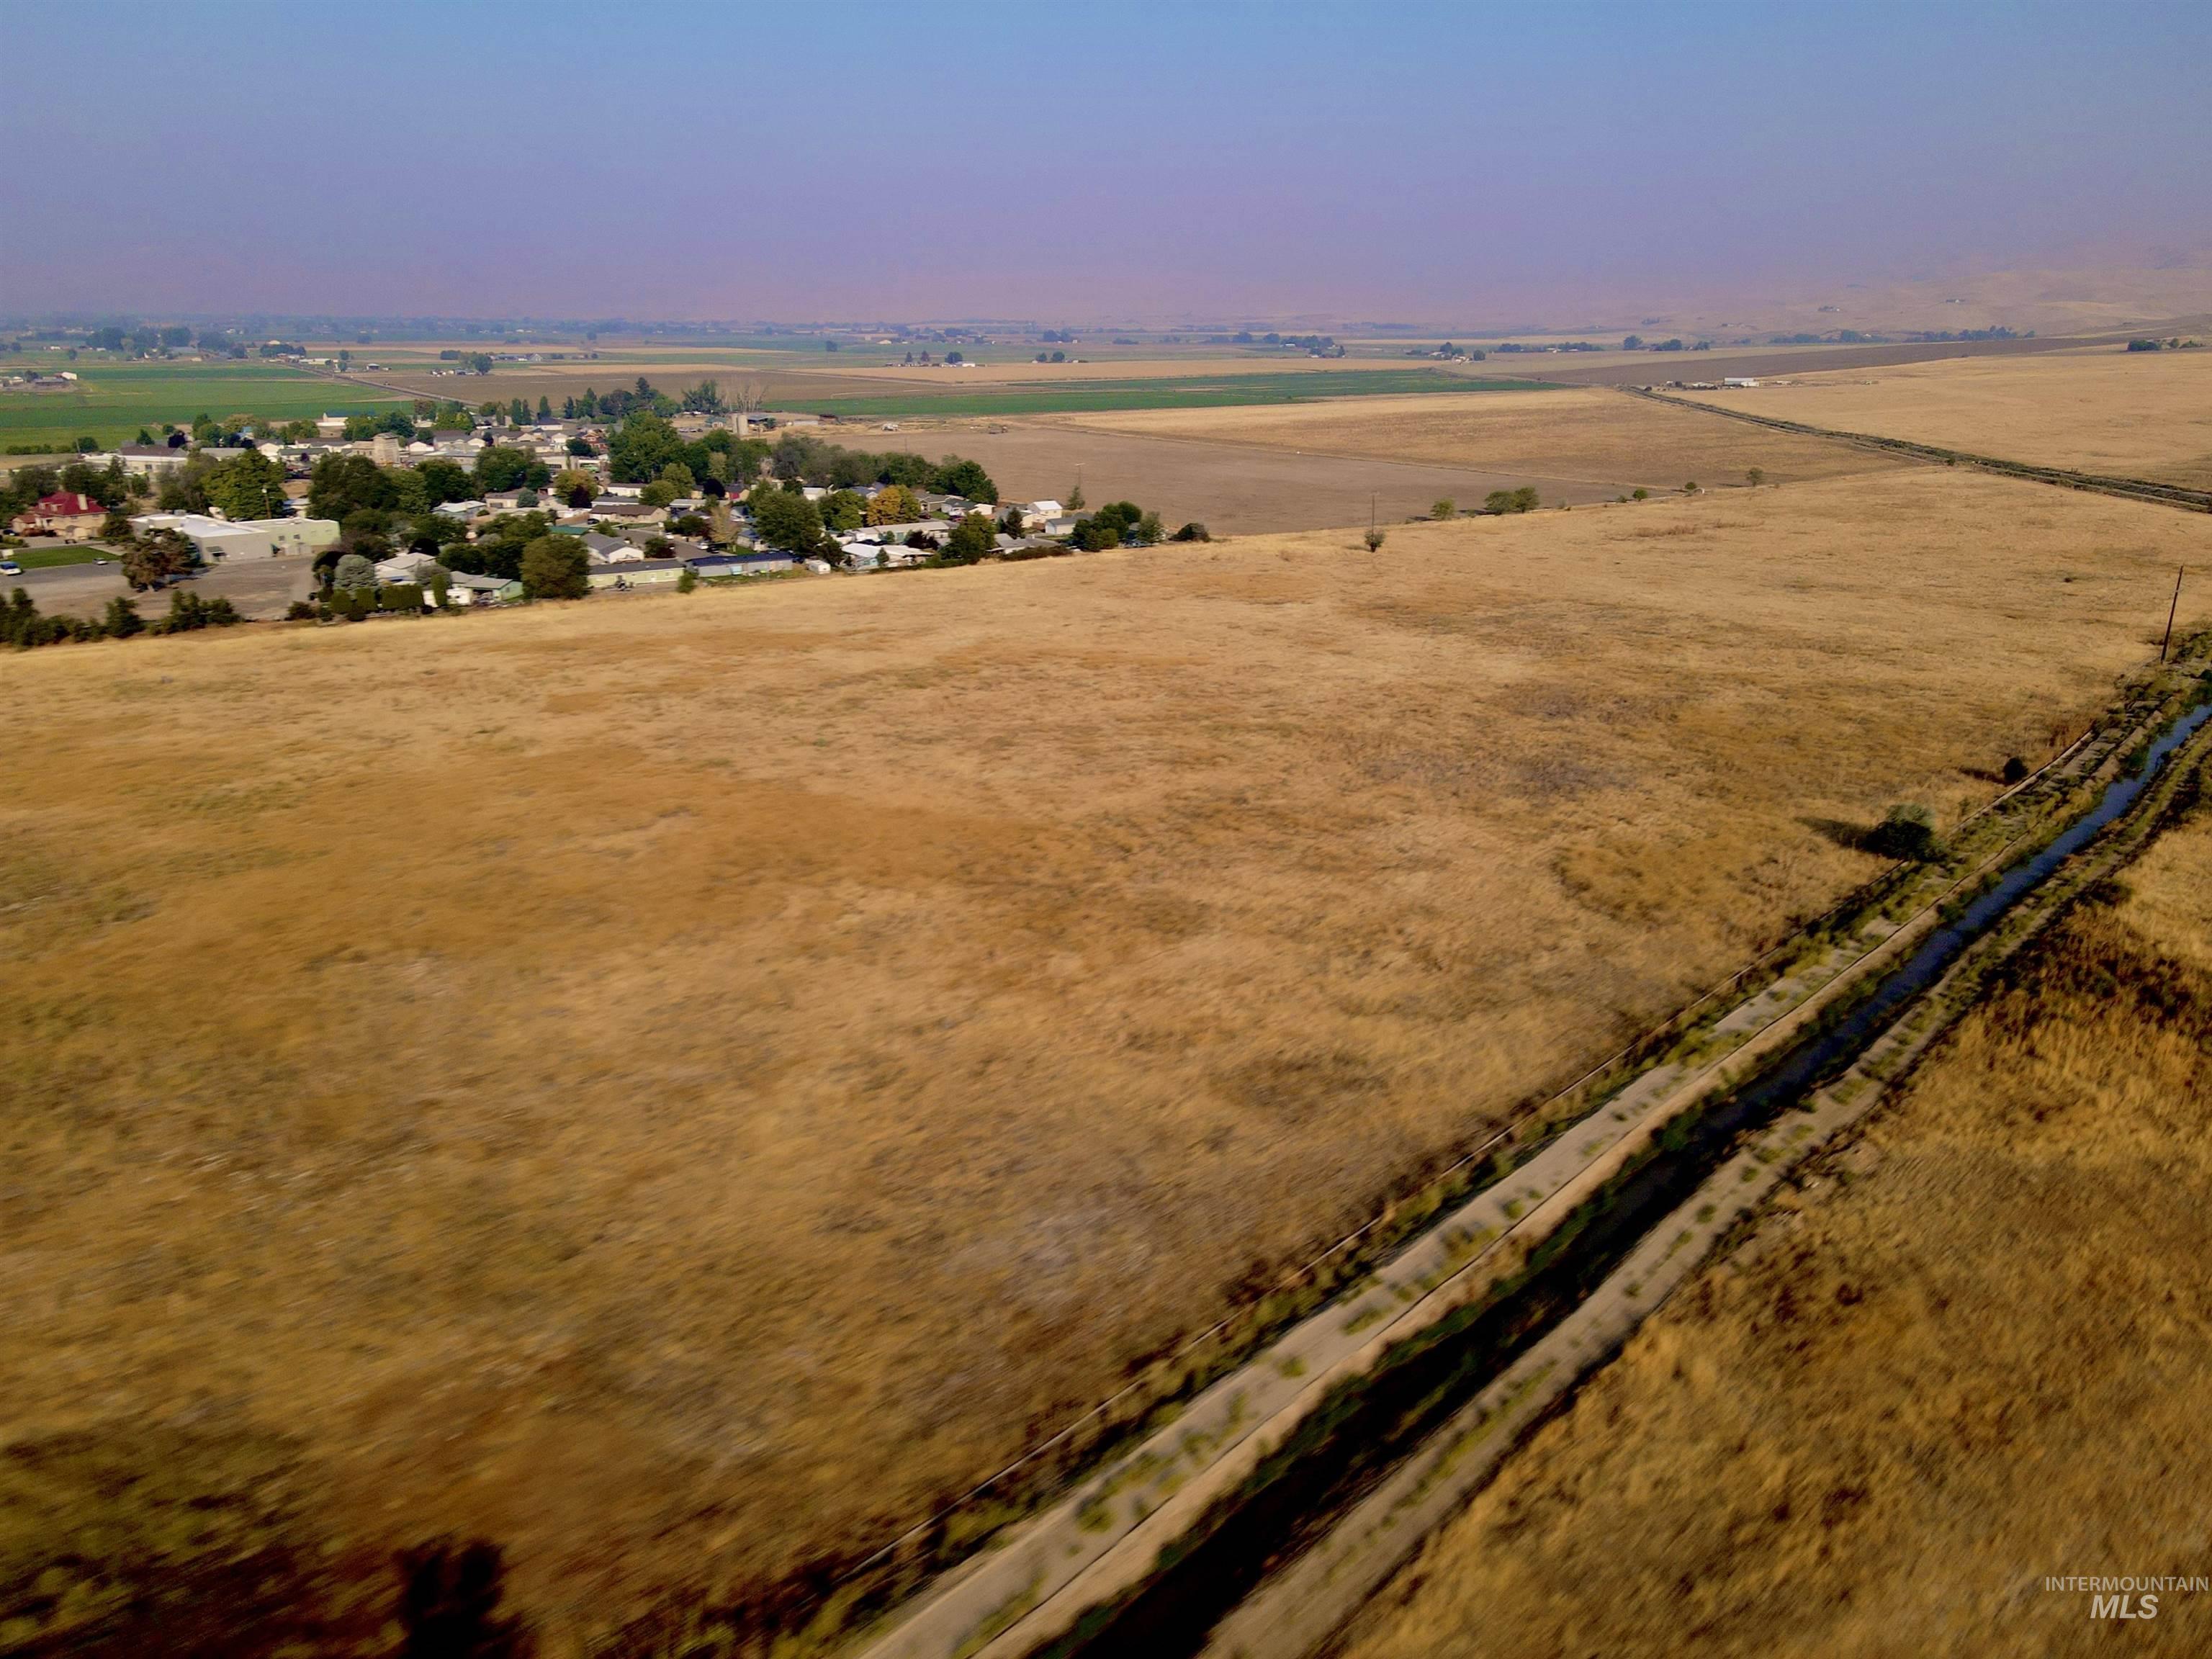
[{"x": 72, "y": 517}]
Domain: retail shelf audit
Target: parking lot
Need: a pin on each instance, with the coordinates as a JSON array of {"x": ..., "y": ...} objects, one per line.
[{"x": 258, "y": 588}]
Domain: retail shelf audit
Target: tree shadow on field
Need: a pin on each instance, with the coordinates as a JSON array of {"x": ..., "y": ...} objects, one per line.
[
  {"x": 1852, "y": 837},
  {"x": 449, "y": 1598}
]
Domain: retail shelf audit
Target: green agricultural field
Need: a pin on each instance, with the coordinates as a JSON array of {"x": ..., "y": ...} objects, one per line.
[
  {"x": 1192, "y": 392},
  {"x": 113, "y": 401}
]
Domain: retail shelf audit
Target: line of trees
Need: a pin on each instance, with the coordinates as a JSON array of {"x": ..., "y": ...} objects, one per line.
[
  {"x": 813, "y": 460},
  {"x": 25, "y": 626},
  {"x": 645, "y": 445}
]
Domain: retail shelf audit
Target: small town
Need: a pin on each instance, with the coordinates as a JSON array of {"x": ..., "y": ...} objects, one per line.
[{"x": 442, "y": 507}]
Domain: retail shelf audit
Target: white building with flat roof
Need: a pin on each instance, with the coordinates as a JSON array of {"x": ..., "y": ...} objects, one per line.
[{"x": 246, "y": 538}]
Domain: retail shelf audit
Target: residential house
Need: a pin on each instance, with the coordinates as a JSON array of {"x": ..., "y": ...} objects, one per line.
[
  {"x": 464, "y": 589},
  {"x": 329, "y": 426},
  {"x": 741, "y": 564},
  {"x": 610, "y": 549},
  {"x": 404, "y": 567},
  {"x": 65, "y": 514},
  {"x": 627, "y": 513},
  {"x": 894, "y": 532},
  {"x": 510, "y": 501},
  {"x": 635, "y": 573},
  {"x": 151, "y": 460}
]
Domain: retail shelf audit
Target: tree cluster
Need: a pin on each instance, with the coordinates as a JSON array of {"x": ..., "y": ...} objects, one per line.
[
  {"x": 1117, "y": 524},
  {"x": 24, "y": 627},
  {"x": 555, "y": 567},
  {"x": 974, "y": 538},
  {"x": 785, "y": 519},
  {"x": 157, "y": 557},
  {"x": 499, "y": 548},
  {"x": 645, "y": 445},
  {"x": 26, "y": 486},
  {"x": 371, "y": 502},
  {"x": 813, "y": 460},
  {"x": 142, "y": 340},
  {"x": 619, "y": 404}
]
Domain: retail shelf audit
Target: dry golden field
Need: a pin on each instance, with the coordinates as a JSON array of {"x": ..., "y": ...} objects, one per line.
[
  {"x": 2145, "y": 415},
  {"x": 1585, "y": 439},
  {"x": 1971, "y": 1350},
  {"x": 674, "y": 1085},
  {"x": 1232, "y": 488}
]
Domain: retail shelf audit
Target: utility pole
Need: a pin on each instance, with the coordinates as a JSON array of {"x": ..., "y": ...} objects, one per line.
[{"x": 2172, "y": 610}]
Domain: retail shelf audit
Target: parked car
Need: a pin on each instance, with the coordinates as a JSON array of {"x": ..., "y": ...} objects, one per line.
[{"x": 9, "y": 568}]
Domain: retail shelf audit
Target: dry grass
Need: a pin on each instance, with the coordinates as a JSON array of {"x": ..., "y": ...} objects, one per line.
[
  {"x": 2145, "y": 415},
  {"x": 1233, "y": 489},
  {"x": 672, "y": 1084},
  {"x": 1586, "y": 439},
  {"x": 1975, "y": 1349}
]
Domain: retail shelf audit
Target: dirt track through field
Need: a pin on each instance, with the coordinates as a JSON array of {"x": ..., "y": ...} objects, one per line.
[{"x": 2139, "y": 489}]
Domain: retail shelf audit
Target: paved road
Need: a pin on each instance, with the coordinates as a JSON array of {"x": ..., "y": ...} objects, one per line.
[{"x": 259, "y": 588}]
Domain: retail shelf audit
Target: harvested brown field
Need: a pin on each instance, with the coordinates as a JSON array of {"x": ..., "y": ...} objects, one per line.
[
  {"x": 2146, "y": 415},
  {"x": 1586, "y": 439},
  {"x": 674, "y": 1085},
  {"x": 1232, "y": 488},
  {"x": 1971, "y": 1350}
]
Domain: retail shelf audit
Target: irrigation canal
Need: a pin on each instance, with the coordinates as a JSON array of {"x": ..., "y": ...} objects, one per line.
[{"x": 1316, "y": 1478}]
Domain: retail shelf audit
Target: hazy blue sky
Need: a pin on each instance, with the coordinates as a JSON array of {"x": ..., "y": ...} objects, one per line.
[{"x": 803, "y": 162}]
